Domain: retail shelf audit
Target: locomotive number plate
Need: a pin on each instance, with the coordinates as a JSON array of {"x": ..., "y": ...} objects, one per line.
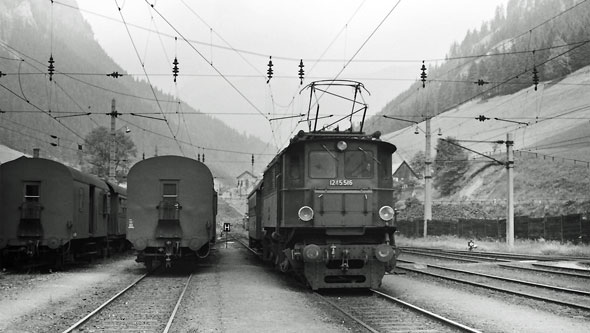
[{"x": 340, "y": 182}]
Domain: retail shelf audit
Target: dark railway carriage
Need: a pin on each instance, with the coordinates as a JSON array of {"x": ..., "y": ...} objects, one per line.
[
  {"x": 172, "y": 209},
  {"x": 324, "y": 209},
  {"x": 53, "y": 212}
]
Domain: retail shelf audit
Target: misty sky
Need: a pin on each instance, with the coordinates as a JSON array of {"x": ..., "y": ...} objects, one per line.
[{"x": 236, "y": 38}]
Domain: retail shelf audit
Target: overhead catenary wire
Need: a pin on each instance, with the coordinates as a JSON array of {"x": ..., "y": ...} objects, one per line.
[
  {"x": 321, "y": 59},
  {"x": 576, "y": 45},
  {"x": 147, "y": 77},
  {"x": 233, "y": 86}
]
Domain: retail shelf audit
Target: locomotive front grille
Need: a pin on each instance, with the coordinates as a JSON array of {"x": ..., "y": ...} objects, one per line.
[{"x": 342, "y": 208}]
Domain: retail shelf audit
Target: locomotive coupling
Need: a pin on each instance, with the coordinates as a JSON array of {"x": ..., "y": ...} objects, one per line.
[{"x": 344, "y": 265}]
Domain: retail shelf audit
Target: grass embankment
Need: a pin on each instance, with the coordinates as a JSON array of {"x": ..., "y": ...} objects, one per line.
[{"x": 536, "y": 247}]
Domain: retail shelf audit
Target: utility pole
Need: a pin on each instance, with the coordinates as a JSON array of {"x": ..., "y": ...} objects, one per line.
[
  {"x": 427, "y": 180},
  {"x": 112, "y": 144},
  {"x": 510, "y": 201}
]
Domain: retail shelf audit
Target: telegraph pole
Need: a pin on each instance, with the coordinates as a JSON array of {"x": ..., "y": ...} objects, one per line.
[
  {"x": 427, "y": 180},
  {"x": 510, "y": 201},
  {"x": 112, "y": 144}
]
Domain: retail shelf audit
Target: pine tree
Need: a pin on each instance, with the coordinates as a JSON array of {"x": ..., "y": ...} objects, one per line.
[{"x": 449, "y": 166}]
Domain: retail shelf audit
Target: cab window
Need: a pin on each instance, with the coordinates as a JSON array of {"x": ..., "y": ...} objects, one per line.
[
  {"x": 322, "y": 164},
  {"x": 294, "y": 168},
  {"x": 358, "y": 164}
]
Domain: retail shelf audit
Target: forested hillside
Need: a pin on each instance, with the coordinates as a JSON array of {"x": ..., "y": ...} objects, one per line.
[
  {"x": 55, "y": 112},
  {"x": 547, "y": 36}
]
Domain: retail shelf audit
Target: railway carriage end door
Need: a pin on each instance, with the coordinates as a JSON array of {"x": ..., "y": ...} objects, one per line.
[
  {"x": 30, "y": 210},
  {"x": 169, "y": 210}
]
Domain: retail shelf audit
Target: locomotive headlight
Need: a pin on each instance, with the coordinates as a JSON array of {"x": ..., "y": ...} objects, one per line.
[
  {"x": 305, "y": 213},
  {"x": 311, "y": 252},
  {"x": 384, "y": 252},
  {"x": 386, "y": 213},
  {"x": 341, "y": 145}
]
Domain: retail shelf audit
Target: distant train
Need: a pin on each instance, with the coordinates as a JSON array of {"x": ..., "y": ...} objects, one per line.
[
  {"x": 172, "y": 209},
  {"x": 324, "y": 208},
  {"x": 52, "y": 214}
]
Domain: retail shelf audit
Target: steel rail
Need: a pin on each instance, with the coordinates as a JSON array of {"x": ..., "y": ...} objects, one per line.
[
  {"x": 501, "y": 278},
  {"x": 548, "y": 271},
  {"x": 518, "y": 293},
  {"x": 244, "y": 245},
  {"x": 497, "y": 254},
  {"x": 440, "y": 256},
  {"x": 458, "y": 256},
  {"x": 97, "y": 310},
  {"x": 444, "y": 320},
  {"x": 169, "y": 324},
  {"x": 348, "y": 314},
  {"x": 570, "y": 269}
]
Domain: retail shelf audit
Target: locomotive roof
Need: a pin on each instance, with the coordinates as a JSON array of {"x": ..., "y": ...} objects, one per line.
[{"x": 303, "y": 136}]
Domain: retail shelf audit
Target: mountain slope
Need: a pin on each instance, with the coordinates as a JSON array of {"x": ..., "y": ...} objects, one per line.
[
  {"x": 37, "y": 108},
  {"x": 552, "y": 152}
]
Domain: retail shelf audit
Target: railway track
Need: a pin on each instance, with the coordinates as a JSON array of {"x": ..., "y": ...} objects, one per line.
[
  {"x": 504, "y": 263},
  {"x": 149, "y": 304},
  {"x": 498, "y": 256},
  {"x": 577, "y": 299},
  {"x": 379, "y": 312}
]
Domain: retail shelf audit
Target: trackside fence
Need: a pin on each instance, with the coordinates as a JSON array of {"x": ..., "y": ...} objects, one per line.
[{"x": 567, "y": 228}]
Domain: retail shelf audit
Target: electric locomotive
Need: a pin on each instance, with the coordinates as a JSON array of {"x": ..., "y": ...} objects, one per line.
[
  {"x": 172, "y": 209},
  {"x": 324, "y": 207}
]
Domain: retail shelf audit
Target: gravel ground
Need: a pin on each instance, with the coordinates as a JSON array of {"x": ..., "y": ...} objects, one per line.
[
  {"x": 234, "y": 292},
  {"x": 52, "y": 302},
  {"x": 486, "y": 311}
]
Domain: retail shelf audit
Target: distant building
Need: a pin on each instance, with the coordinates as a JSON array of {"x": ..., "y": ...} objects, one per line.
[
  {"x": 246, "y": 181},
  {"x": 404, "y": 173},
  {"x": 411, "y": 183}
]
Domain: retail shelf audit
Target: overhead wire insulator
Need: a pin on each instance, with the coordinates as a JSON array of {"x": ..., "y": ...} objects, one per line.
[
  {"x": 252, "y": 159},
  {"x": 482, "y": 118},
  {"x": 2, "y": 74},
  {"x": 535, "y": 77},
  {"x": 175, "y": 68},
  {"x": 115, "y": 75},
  {"x": 423, "y": 75},
  {"x": 269, "y": 72},
  {"x": 51, "y": 68},
  {"x": 481, "y": 82},
  {"x": 301, "y": 74}
]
